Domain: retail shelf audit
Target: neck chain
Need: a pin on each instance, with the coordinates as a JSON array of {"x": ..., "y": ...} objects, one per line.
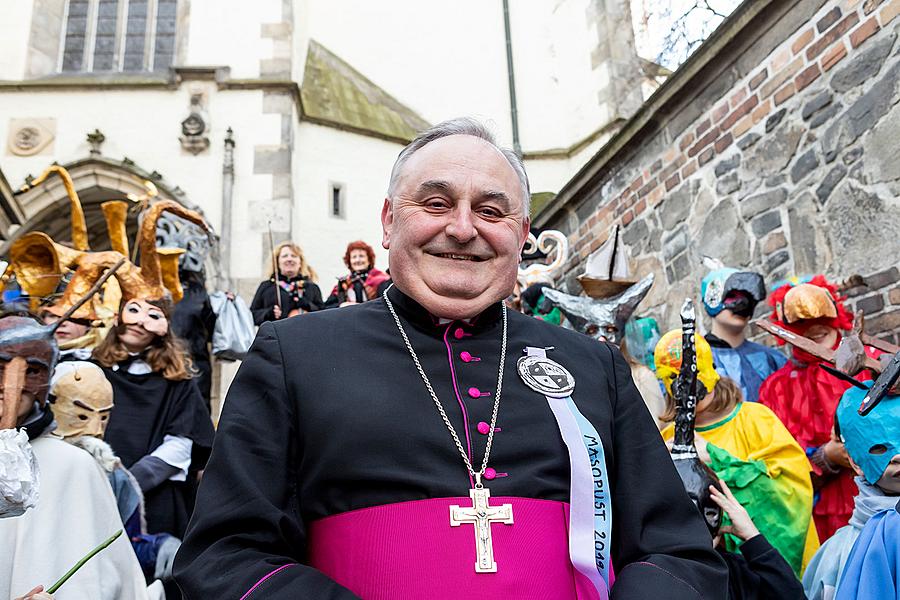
[{"x": 462, "y": 452}]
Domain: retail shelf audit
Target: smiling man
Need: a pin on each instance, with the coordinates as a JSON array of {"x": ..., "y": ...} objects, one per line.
[{"x": 455, "y": 449}]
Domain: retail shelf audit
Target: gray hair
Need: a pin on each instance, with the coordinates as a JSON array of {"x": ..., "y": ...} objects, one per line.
[{"x": 462, "y": 126}]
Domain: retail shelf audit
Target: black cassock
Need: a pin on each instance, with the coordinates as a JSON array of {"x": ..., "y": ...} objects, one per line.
[
  {"x": 148, "y": 408},
  {"x": 330, "y": 459}
]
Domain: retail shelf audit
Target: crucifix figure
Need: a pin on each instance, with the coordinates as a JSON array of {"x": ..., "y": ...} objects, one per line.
[{"x": 481, "y": 515}]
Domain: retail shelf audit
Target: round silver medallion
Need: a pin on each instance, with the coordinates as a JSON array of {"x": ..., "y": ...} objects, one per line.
[{"x": 545, "y": 376}]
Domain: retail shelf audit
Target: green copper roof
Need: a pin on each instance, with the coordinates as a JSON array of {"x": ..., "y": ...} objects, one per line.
[
  {"x": 335, "y": 94},
  {"x": 539, "y": 200}
]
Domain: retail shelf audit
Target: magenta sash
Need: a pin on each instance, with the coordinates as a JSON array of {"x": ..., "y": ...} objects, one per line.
[{"x": 409, "y": 550}]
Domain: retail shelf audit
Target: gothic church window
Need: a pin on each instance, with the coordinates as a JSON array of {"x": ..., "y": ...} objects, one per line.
[{"x": 119, "y": 35}]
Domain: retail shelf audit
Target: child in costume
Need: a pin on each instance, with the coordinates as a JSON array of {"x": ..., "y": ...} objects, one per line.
[
  {"x": 804, "y": 396},
  {"x": 757, "y": 571},
  {"x": 873, "y": 446},
  {"x": 730, "y": 297},
  {"x": 82, "y": 401},
  {"x": 76, "y": 509},
  {"x": 748, "y": 448}
]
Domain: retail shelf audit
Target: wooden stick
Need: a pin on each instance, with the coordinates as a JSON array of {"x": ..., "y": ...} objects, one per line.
[
  {"x": 96, "y": 288},
  {"x": 82, "y": 562},
  {"x": 275, "y": 270}
]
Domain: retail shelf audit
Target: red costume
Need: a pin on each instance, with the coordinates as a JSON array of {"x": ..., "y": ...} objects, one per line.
[{"x": 805, "y": 396}]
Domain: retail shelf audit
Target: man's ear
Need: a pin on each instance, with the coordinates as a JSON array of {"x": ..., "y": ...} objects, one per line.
[
  {"x": 523, "y": 234},
  {"x": 387, "y": 222}
]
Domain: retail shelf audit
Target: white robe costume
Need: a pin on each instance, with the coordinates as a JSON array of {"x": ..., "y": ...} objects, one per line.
[{"x": 75, "y": 513}]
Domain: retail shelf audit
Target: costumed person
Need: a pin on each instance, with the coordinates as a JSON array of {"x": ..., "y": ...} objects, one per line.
[
  {"x": 873, "y": 567},
  {"x": 757, "y": 571},
  {"x": 160, "y": 428},
  {"x": 537, "y": 276},
  {"x": 295, "y": 281},
  {"x": 465, "y": 495},
  {"x": 44, "y": 269},
  {"x": 873, "y": 445},
  {"x": 76, "y": 509},
  {"x": 804, "y": 396},
  {"x": 730, "y": 296},
  {"x": 193, "y": 319},
  {"x": 603, "y": 315},
  {"x": 82, "y": 401},
  {"x": 364, "y": 282},
  {"x": 750, "y": 449}
]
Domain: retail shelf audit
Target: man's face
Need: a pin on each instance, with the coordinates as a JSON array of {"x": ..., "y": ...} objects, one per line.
[
  {"x": 359, "y": 260},
  {"x": 455, "y": 227}
]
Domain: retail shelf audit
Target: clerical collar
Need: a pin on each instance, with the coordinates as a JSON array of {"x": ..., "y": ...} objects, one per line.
[{"x": 416, "y": 314}]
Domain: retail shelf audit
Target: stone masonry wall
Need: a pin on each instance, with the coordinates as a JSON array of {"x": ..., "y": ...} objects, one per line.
[{"x": 792, "y": 170}]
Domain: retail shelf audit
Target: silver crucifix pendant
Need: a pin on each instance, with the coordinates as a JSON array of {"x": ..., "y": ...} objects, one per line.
[{"x": 481, "y": 515}]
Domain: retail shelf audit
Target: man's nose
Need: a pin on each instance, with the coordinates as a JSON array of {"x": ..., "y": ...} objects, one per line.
[
  {"x": 13, "y": 382},
  {"x": 462, "y": 225}
]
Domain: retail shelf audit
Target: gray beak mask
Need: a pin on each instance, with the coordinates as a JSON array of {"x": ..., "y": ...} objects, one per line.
[{"x": 603, "y": 318}]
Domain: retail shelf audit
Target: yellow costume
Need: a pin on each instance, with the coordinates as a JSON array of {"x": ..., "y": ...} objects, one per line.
[{"x": 753, "y": 452}]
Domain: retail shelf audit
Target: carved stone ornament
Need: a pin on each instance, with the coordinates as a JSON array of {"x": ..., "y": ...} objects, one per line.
[
  {"x": 28, "y": 137},
  {"x": 194, "y": 126},
  {"x": 174, "y": 232}
]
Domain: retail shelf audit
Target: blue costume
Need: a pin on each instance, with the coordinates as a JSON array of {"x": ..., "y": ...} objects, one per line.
[
  {"x": 872, "y": 570},
  {"x": 873, "y": 567},
  {"x": 750, "y": 363}
]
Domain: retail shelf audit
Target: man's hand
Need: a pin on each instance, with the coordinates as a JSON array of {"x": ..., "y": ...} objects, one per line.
[
  {"x": 276, "y": 310},
  {"x": 37, "y": 593},
  {"x": 741, "y": 524}
]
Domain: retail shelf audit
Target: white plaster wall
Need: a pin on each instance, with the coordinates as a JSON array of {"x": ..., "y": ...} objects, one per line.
[
  {"x": 227, "y": 32},
  {"x": 15, "y": 27},
  {"x": 145, "y": 126},
  {"x": 556, "y": 89},
  {"x": 442, "y": 59},
  {"x": 323, "y": 155}
]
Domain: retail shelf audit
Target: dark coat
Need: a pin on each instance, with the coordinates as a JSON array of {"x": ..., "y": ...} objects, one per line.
[
  {"x": 314, "y": 426},
  {"x": 760, "y": 573},
  {"x": 308, "y": 298}
]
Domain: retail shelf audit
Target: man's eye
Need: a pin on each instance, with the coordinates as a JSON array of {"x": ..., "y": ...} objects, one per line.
[
  {"x": 32, "y": 371},
  {"x": 491, "y": 213},
  {"x": 82, "y": 417}
]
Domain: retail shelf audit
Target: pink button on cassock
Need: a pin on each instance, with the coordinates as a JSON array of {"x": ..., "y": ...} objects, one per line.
[
  {"x": 474, "y": 392},
  {"x": 483, "y": 428},
  {"x": 490, "y": 473},
  {"x": 459, "y": 333},
  {"x": 465, "y": 356}
]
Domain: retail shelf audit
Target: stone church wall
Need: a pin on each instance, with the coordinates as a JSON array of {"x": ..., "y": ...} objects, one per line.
[{"x": 781, "y": 158}]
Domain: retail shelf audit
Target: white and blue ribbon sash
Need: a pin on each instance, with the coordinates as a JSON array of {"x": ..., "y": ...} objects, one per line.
[{"x": 590, "y": 509}]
